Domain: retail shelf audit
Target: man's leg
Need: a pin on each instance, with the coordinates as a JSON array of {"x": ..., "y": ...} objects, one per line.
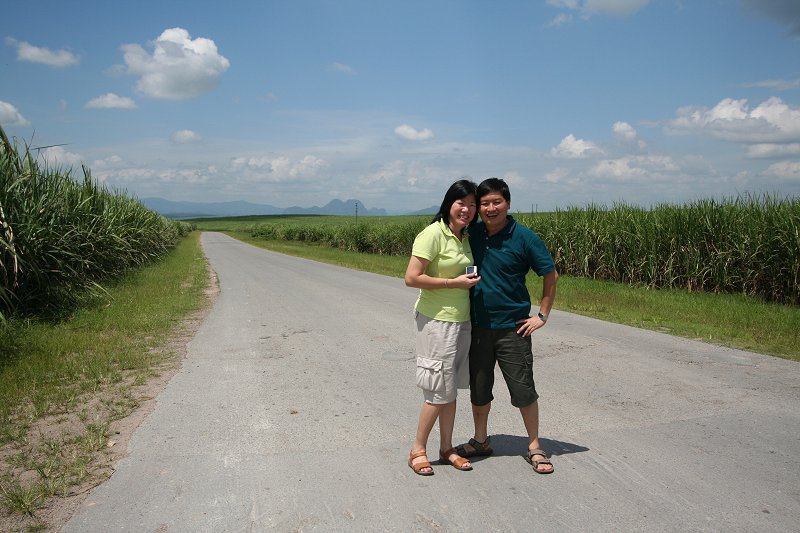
[
  {"x": 530, "y": 416},
  {"x": 481, "y": 382},
  {"x": 480, "y": 416}
]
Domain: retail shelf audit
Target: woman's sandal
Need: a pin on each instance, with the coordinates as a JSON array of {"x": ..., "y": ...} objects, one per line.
[
  {"x": 480, "y": 449},
  {"x": 458, "y": 464},
  {"x": 535, "y": 463},
  {"x": 417, "y": 468}
]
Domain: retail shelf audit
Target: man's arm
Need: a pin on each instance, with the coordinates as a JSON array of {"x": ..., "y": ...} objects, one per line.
[
  {"x": 548, "y": 292},
  {"x": 545, "y": 305}
]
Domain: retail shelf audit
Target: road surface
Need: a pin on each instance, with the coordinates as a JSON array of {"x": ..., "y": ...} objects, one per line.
[{"x": 296, "y": 407}]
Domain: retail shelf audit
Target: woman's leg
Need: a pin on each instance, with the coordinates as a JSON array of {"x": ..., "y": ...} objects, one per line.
[
  {"x": 427, "y": 418},
  {"x": 447, "y": 419}
]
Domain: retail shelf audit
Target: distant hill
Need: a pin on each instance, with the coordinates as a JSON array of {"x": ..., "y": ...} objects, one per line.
[
  {"x": 172, "y": 209},
  {"x": 427, "y": 211},
  {"x": 336, "y": 207}
]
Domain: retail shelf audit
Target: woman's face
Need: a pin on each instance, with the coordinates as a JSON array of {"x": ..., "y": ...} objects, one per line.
[{"x": 463, "y": 211}]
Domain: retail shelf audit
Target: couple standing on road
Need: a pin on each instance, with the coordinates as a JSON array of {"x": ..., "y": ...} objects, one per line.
[{"x": 467, "y": 323}]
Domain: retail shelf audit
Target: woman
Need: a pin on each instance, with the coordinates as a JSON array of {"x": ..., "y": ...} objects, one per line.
[{"x": 437, "y": 267}]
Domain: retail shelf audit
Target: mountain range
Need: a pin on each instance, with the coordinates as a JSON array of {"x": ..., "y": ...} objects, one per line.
[{"x": 178, "y": 210}]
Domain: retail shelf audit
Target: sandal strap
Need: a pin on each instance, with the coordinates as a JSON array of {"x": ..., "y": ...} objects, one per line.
[
  {"x": 460, "y": 462},
  {"x": 419, "y": 466},
  {"x": 478, "y": 445},
  {"x": 537, "y": 451},
  {"x": 414, "y": 455}
]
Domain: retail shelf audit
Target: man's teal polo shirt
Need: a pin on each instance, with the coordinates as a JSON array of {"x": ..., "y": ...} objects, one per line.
[{"x": 504, "y": 259}]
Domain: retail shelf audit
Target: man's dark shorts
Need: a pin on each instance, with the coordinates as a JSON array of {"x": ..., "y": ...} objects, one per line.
[{"x": 512, "y": 352}]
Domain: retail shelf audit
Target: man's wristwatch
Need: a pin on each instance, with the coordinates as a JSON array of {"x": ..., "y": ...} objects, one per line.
[{"x": 542, "y": 317}]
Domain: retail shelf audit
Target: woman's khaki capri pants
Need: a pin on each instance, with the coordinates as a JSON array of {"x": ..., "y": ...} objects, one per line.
[{"x": 442, "y": 358}]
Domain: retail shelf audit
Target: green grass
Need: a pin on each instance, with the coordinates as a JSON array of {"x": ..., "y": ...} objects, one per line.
[
  {"x": 247, "y": 223},
  {"x": 736, "y": 321},
  {"x": 62, "y": 383}
]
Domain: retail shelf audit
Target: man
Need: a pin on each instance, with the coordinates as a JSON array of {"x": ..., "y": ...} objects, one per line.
[{"x": 504, "y": 252}]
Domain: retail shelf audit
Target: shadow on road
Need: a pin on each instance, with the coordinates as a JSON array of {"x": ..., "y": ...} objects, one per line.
[{"x": 511, "y": 445}]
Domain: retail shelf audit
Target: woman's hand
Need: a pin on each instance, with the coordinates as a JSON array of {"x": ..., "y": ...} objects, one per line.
[{"x": 464, "y": 281}]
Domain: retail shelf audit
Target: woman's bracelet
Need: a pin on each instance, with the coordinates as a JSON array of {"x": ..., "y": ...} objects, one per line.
[{"x": 445, "y": 283}]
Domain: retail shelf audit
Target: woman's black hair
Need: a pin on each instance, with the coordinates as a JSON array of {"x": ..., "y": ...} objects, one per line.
[{"x": 460, "y": 189}]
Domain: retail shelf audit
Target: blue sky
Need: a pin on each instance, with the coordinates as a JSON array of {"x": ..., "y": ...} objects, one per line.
[{"x": 300, "y": 102}]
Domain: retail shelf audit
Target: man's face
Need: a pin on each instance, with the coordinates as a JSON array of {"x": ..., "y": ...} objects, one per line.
[{"x": 493, "y": 210}]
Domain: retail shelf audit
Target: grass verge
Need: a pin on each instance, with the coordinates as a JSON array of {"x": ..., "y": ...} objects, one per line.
[
  {"x": 729, "y": 320},
  {"x": 66, "y": 387}
]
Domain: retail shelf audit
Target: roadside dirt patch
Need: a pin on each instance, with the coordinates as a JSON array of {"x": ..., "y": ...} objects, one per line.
[{"x": 127, "y": 403}]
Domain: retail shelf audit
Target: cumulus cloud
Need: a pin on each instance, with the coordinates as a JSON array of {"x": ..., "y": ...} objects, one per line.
[
  {"x": 626, "y": 134},
  {"x": 771, "y": 150},
  {"x": 57, "y": 156},
  {"x": 111, "y": 101},
  {"x": 624, "y": 131},
  {"x": 403, "y": 176},
  {"x": 45, "y": 56},
  {"x": 404, "y": 131},
  {"x": 633, "y": 168},
  {"x": 557, "y": 175},
  {"x": 733, "y": 120},
  {"x": 341, "y": 67},
  {"x": 587, "y": 8},
  {"x": 108, "y": 162},
  {"x": 784, "y": 170},
  {"x": 785, "y": 12},
  {"x": 185, "y": 137},
  {"x": 278, "y": 169},
  {"x": 179, "y": 68},
  {"x": 572, "y": 148},
  {"x": 10, "y": 116},
  {"x": 778, "y": 85}
]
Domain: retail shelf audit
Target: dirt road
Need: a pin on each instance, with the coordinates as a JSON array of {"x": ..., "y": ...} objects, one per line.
[{"x": 296, "y": 407}]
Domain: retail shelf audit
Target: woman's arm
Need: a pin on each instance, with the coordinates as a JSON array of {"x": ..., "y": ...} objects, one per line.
[{"x": 417, "y": 278}]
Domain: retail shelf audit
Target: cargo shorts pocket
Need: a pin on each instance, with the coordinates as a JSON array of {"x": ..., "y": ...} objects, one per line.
[{"x": 430, "y": 376}]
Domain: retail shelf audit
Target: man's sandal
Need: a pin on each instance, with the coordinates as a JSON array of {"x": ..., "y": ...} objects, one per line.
[
  {"x": 417, "y": 468},
  {"x": 458, "y": 464},
  {"x": 479, "y": 449},
  {"x": 535, "y": 463}
]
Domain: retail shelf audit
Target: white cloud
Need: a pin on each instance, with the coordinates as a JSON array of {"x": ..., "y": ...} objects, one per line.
[
  {"x": 634, "y": 168},
  {"x": 57, "y": 156},
  {"x": 767, "y": 150},
  {"x": 405, "y": 176},
  {"x": 587, "y": 8},
  {"x": 626, "y": 134},
  {"x": 179, "y": 68},
  {"x": 572, "y": 148},
  {"x": 557, "y": 175},
  {"x": 185, "y": 137},
  {"x": 278, "y": 169},
  {"x": 341, "y": 67},
  {"x": 105, "y": 163},
  {"x": 404, "y": 131},
  {"x": 111, "y": 101},
  {"x": 188, "y": 176},
  {"x": 45, "y": 56},
  {"x": 10, "y": 116},
  {"x": 733, "y": 120},
  {"x": 785, "y": 170},
  {"x": 560, "y": 20},
  {"x": 614, "y": 7},
  {"x": 778, "y": 85},
  {"x": 624, "y": 131}
]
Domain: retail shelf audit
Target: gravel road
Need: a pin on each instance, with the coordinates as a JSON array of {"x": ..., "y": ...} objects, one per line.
[{"x": 296, "y": 407}]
